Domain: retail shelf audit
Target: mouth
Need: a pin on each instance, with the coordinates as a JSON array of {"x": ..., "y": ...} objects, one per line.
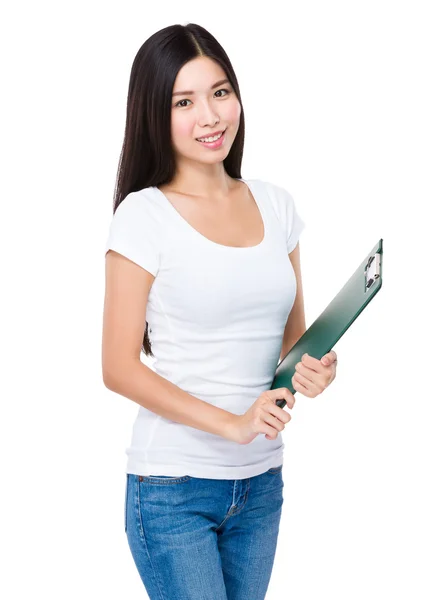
[{"x": 208, "y": 136}]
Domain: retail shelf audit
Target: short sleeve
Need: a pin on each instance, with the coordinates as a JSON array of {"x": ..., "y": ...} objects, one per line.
[
  {"x": 284, "y": 206},
  {"x": 294, "y": 223},
  {"x": 135, "y": 231}
]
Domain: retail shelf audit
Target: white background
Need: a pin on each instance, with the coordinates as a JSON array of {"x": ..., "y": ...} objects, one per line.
[{"x": 334, "y": 102}]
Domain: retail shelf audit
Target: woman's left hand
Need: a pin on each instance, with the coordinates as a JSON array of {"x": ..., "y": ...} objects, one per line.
[{"x": 312, "y": 376}]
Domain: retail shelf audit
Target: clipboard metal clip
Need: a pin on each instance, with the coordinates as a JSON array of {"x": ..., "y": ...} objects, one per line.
[{"x": 372, "y": 270}]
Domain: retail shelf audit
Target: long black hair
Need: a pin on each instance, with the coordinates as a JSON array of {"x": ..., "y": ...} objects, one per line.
[{"x": 147, "y": 157}]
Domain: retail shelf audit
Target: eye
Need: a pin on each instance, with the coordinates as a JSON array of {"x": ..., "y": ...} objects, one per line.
[
  {"x": 187, "y": 100},
  {"x": 223, "y": 90}
]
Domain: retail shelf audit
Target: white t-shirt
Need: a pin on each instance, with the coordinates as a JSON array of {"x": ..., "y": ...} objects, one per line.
[{"x": 217, "y": 316}]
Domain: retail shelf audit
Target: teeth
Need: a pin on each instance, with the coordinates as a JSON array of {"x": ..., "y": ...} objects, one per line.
[{"x": 210, "y": 139}]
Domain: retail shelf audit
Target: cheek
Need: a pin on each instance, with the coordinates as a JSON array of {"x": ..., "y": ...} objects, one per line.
[
  {"x": 182, "y": 128},
  {"x": 231, "y": 112}
]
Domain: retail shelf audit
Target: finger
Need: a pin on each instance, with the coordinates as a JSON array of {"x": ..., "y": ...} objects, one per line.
[
  {"x": 329, "y": 358},
  {"x": 279, "y": 394},
  {"x": 299, "y": 387},
  {"x": 308, "y": 373},
  {"x": 290, "y": 400},
  {"x": 312, "y": 363},
  {"x": 278, "y": 413},
  {"x": 311, "y": 386}
]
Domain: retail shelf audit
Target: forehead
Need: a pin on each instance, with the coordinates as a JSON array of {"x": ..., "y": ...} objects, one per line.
[{"x": 198, "y": 75}]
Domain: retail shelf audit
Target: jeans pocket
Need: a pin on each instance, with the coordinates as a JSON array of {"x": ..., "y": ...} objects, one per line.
[{"x": 275, "y": 469}]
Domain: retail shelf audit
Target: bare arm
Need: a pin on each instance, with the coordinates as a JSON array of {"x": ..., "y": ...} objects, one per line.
[
  {"x": 295, "y": 326},
  {"x": 126, "y": 294}
]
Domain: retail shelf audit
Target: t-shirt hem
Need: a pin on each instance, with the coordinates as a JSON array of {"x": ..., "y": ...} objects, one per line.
[{"x": 136, "y": 467}]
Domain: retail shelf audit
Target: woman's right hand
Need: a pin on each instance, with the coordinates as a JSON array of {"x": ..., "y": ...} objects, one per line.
[{"x": 264, "y": 416}]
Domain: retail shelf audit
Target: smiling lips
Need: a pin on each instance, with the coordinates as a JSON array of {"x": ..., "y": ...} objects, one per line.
[
  {"x": 212, "y": 135},
  {"x": 216, "y": 143}
]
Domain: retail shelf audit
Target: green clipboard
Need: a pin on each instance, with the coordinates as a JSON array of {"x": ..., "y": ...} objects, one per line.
[{"x": 334, "y": 321}]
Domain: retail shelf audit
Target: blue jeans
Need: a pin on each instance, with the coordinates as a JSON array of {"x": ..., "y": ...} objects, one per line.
[{"x": 204, "y": 539}]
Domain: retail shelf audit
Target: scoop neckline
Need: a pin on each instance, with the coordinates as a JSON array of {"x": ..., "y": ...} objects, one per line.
[{"x": 248, "y": 183}]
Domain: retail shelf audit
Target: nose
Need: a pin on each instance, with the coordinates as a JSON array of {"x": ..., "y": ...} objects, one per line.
[{"x": 207, "y": 116}]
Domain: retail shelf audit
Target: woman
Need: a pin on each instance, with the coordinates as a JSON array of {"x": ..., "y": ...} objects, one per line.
[{"x": 208, "y": 264}]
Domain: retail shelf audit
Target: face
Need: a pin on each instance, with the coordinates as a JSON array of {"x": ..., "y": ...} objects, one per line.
[{"x": 208, "y": 109}]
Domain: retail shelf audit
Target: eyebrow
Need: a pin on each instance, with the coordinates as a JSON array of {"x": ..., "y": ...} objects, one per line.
[{"x": 190, "y": 92}]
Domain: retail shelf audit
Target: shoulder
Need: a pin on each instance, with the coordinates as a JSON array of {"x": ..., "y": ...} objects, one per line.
[
  {"x": 284, "y": 207},
  {"x": 136, "y": 229},
  {"x": 140, "y": 200},
  {"x": 140, "y": 207},
  {"x": 138, "y": 215},
  {"x": 276, "y": 194}
]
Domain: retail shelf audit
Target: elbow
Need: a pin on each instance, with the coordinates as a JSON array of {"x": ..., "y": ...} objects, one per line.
[
  {"x": 117, "y": 373},
  {"x": 108, "y": 380},
  {"x": 111, "y": 374}
]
